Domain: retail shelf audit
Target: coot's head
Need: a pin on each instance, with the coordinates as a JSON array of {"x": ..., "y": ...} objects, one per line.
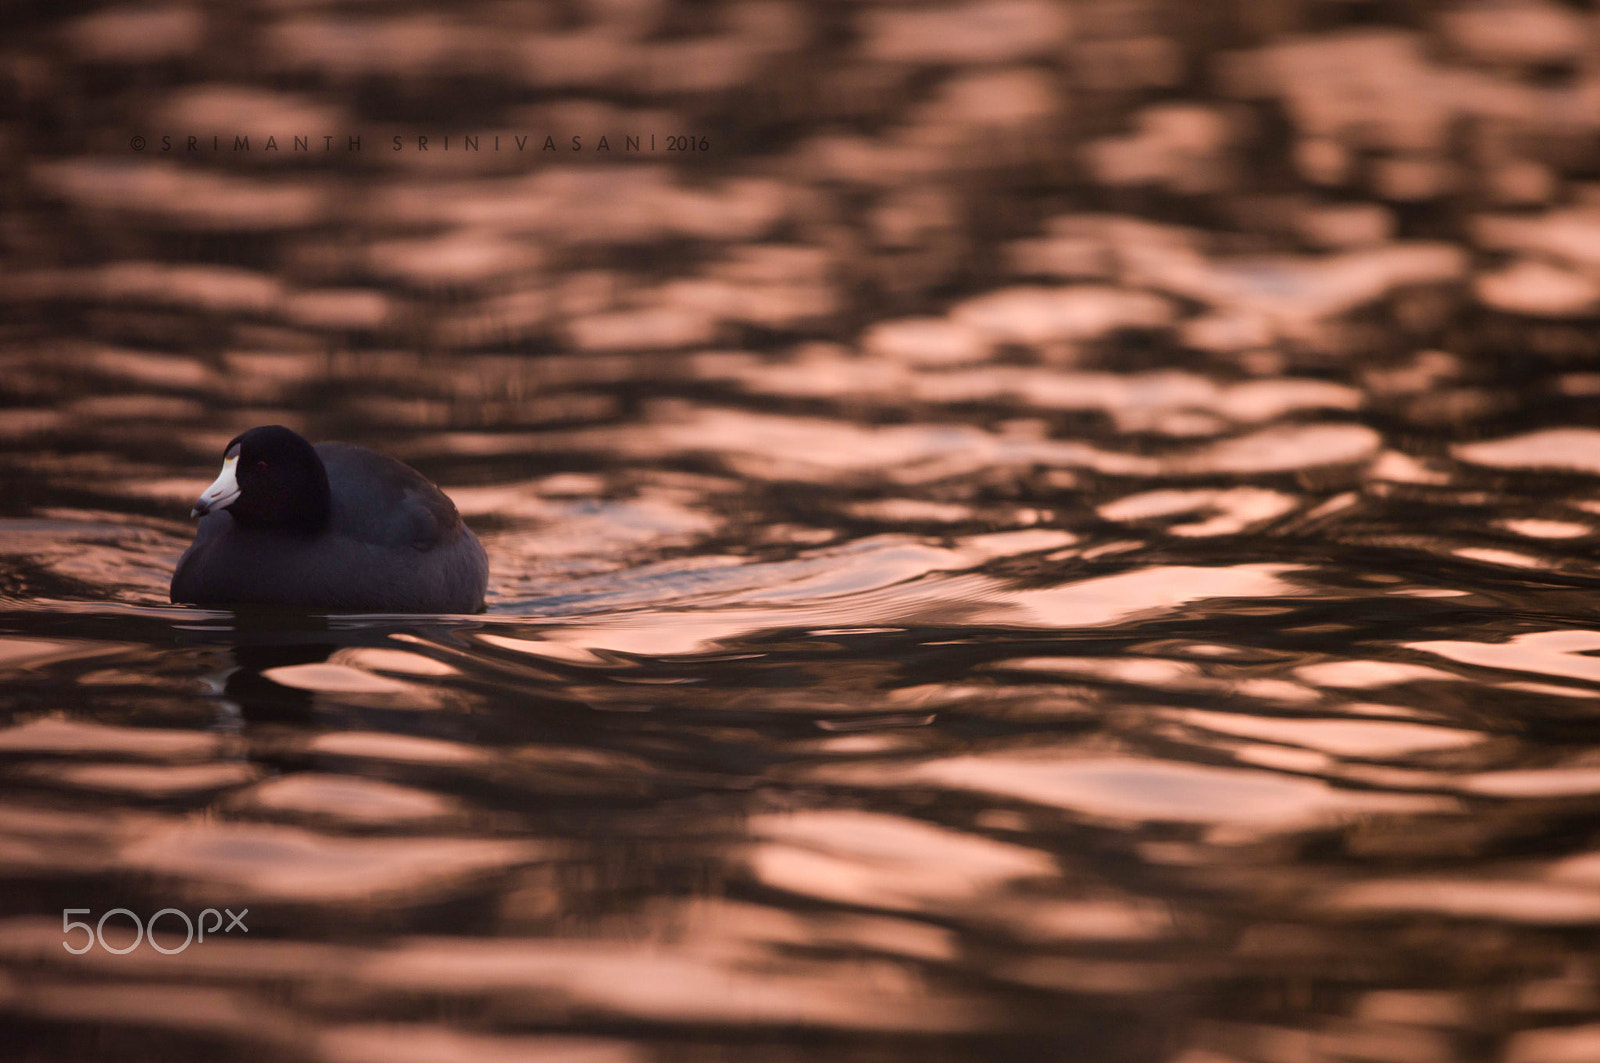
[{"x": 271, "y": 478}]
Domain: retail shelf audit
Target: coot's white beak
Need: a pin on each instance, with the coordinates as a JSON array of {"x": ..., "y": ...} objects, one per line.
[{"x": 223, "y": 492}]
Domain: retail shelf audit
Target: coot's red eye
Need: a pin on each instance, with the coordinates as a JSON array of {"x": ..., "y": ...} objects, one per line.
[{"x": 261, "y": 466}]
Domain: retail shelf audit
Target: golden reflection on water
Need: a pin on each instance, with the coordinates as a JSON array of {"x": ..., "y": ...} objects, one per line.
[{"x": 1035, "y": 532}]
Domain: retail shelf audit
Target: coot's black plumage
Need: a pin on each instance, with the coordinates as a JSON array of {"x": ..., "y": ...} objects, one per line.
[{"x": 332, "y": 528}]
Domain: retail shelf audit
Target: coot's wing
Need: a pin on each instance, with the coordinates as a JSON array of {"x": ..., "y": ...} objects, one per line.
[{"x": 379, "y": 500}]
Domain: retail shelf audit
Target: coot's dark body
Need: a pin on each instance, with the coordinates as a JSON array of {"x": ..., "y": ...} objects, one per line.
[{"x": 378, "y": 539}]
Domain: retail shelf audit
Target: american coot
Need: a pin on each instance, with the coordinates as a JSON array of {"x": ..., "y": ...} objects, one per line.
[{"x": 331, "y": 528}]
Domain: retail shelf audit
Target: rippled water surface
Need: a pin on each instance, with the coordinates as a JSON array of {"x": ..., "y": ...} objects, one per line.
[{"x": 1061, "y": 534}]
